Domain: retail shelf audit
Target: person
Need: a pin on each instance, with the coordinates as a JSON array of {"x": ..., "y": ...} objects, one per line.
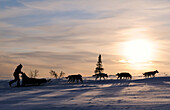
[{"x": 16, "y": 75}]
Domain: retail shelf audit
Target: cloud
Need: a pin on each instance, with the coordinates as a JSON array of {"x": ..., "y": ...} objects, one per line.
[
  {"x": 69, "y": 35},
  {"x": 48, "y": 60},
  {"x": 100, "y": 4},
  {"x": 14, "y": 12}
]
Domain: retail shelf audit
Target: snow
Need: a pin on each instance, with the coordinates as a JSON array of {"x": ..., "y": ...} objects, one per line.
[{"x": 110, "y": 94}]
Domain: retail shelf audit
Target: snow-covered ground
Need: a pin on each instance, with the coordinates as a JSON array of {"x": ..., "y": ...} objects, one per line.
[{"x": 110, "y": 94}]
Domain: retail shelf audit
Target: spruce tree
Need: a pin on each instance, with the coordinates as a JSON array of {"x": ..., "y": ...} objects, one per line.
[{"x": 99, "y": 68}]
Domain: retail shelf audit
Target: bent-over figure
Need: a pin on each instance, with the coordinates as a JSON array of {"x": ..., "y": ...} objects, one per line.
[
  {"x": 100, "y": 75},
  {"x": 150, "y": 73},
  {"x": 124, "y": 75},
  {"x": 16, "y": 75},
  {"x": 26, "y": 81},
  {"x": 73, "y": 78}
]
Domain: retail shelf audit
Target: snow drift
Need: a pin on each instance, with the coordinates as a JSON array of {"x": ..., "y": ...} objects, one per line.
[{"x": 145, "y": 94}]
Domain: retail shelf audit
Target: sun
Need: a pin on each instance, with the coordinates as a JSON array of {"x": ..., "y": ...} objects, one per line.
[{"x": 138, "y": 51}]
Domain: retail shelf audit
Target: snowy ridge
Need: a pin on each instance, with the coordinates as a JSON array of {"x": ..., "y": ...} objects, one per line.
[{"x": 145, "y": 94}]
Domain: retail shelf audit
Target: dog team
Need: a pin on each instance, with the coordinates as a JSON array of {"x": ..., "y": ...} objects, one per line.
[{"x": 71, "y": 78}]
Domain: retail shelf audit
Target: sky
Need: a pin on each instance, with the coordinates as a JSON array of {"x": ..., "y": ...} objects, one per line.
[{"x": 68, "y": 35}]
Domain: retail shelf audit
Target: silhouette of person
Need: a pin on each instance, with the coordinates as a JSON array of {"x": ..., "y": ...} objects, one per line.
[{"x": 16, "y": 75}]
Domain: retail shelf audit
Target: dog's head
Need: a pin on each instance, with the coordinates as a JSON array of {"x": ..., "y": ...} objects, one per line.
[
  {"x": 68, "y": 77},
  {"x": 94, "y": 75},
  {"x": 117, "y": 74},
  {"x": 156, "y": 71}
]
